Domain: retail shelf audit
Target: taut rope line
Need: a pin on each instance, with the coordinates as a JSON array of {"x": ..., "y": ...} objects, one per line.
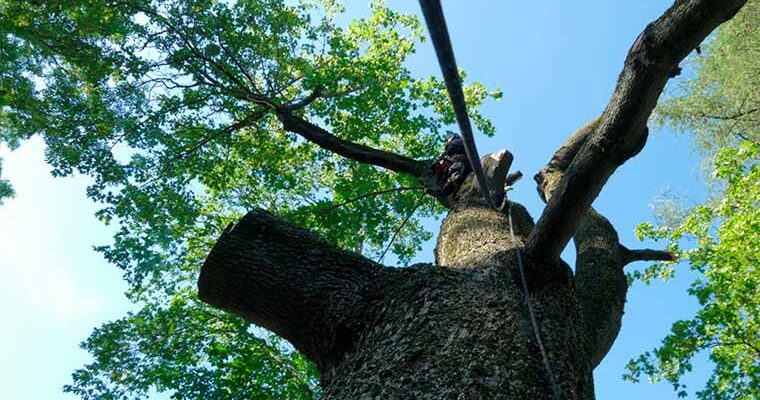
[
  {"x": 439, "y": 34},
  {"x": 436, "y": 24},
  {"x": 534, "y": 324}
]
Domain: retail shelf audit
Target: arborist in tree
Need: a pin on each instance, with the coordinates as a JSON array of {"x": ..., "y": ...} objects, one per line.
[{"x": 452, "y": 167}]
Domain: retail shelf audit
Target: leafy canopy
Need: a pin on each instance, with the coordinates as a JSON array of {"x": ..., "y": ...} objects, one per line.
[
  {"x": 720, "y": 240},
  {"x": 165, "y": 105}
]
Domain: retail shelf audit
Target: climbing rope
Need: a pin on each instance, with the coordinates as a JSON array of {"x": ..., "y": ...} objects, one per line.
[
  {"x": 439, "y": 34},
  {"x": 436, "y": 24},
  {"x": 534, "y": 324}
]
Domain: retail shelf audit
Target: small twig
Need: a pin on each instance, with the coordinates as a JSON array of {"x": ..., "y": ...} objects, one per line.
[
  {"x": 364, "y": 196},
  {"x": 316, "y": 93},
  {"x": 243, "y": 123},
  {"x": 397, "y": 231},
  {"x": 729, "y": 117}
]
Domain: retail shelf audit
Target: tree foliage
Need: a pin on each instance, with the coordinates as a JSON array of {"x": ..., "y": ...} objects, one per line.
[
  {"x": 193, "y": 352},
  {"x": 720, "y": 240},
  {"x": 720, "y": 104},
  {"x": 170, "y": 106}
]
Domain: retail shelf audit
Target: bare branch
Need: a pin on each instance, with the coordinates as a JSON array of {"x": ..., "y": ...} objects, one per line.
[
  {"x": 398, "y": 230},
  {"x": 315, "y": 94},
  {"x": 630, "y": 256},
  {"x": 354, "y": 151},
  {"x": 622, "y": 129},
  {"x": 512, "y": 178}
]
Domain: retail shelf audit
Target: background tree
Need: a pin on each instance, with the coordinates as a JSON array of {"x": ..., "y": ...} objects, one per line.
[
  {"x": 720, "y": 239},
  {"x": 195, "y": 161}
]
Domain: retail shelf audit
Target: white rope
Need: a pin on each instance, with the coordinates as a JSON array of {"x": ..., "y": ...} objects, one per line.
[{"x": 544, "y": 357}]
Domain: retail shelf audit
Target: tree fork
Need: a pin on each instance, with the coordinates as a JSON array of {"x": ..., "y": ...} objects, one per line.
[{"x": 600, "y": 283}]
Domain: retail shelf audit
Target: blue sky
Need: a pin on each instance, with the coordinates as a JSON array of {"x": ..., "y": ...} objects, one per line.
[{"x": 556, "y": 62}]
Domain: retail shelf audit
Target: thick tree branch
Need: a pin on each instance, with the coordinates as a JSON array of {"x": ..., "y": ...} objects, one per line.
[
  {"x": 354, "y": 151},
  {"x": 290, "y": 281},
  {"x": 622, "y": 131},
  {"x": 600, "y": 282}
]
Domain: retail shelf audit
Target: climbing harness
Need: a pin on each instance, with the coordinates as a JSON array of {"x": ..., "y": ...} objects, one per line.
[{"x": 439, "y": 34}]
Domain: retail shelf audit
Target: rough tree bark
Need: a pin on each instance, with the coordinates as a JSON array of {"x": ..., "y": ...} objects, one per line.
[{"x": 460, "y": 328}]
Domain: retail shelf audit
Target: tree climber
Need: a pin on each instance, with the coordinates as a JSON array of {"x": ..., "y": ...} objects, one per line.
[{"x": 452, "y": 167}]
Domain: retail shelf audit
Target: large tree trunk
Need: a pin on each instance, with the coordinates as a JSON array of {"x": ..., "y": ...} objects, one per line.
[
  {"x": 456, "y": 331},
  {"x": 459, "y": 329},
  {"x": 478, "y": 324},
  {"x": 462, "y": 328}
]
